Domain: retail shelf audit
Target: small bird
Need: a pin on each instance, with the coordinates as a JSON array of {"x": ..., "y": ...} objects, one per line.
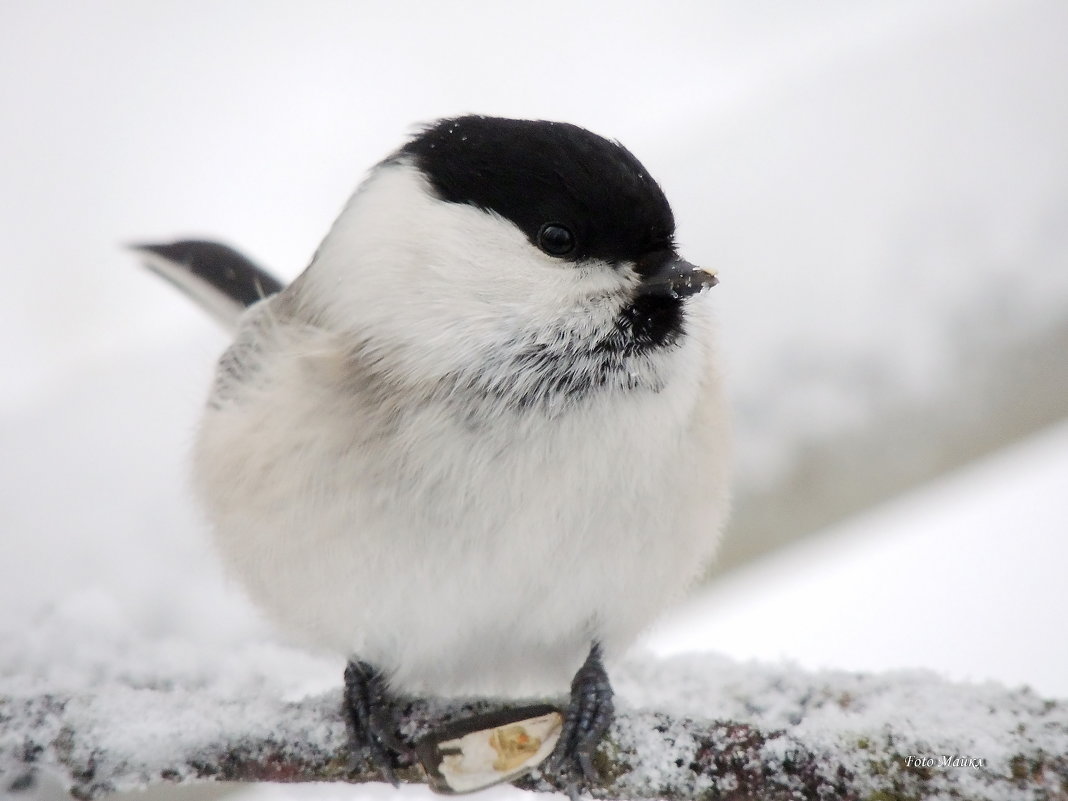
[{"x": 480, "y": 443}]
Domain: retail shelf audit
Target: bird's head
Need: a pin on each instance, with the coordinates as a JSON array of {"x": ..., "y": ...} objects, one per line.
[{"x": 533, "y": 257}]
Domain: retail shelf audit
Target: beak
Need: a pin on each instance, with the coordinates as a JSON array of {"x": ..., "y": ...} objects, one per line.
[{"x": 674, "y": 277}]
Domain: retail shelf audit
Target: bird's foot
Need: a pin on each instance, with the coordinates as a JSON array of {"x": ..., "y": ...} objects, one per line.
[
  {"x": 588, "y": 715},
  {"x": 368, "y": 706}
]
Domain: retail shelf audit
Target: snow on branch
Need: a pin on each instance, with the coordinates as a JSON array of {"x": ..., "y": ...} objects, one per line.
[{"x": 842, "y": 736}]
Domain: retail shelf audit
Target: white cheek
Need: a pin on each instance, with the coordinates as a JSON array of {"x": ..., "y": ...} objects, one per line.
[{"x": 441, "y": 279}]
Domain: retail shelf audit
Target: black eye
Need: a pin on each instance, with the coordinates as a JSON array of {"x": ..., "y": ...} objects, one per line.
[{"x": 555, "y": 239}]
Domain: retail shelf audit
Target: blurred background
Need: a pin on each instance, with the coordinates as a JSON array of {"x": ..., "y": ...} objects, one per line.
[{"x": 882, "y": 185}]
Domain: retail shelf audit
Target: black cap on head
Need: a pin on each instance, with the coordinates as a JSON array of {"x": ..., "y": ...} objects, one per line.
[{"x": 547, "y": 176}]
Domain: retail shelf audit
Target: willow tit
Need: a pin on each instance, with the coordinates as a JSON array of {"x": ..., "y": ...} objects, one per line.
[{"x": 480, "y": 443}]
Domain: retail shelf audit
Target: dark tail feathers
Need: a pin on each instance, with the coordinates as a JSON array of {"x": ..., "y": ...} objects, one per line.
[{"x": 218, "y": 278}]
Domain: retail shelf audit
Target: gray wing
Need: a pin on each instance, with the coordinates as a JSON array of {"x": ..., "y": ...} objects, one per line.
[{"x": 242, "y": 365}]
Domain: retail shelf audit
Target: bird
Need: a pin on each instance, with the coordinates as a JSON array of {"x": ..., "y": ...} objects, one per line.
[{"x": 480, "y": 443}]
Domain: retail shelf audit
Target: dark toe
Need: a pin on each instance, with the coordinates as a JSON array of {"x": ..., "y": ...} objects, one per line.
[
  {"x": 588, "y": 716},
  {"x": 369, "y": 709}
]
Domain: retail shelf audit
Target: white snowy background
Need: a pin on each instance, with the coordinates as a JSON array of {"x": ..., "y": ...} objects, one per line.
[{"x": 882, "y": 185}]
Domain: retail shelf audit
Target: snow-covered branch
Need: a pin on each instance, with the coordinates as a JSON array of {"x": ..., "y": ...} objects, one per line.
[{"x": 846, "y": 736}]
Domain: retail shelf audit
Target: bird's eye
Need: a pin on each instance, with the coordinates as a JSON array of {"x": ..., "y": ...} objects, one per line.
[{"x": 555, "y": 239}]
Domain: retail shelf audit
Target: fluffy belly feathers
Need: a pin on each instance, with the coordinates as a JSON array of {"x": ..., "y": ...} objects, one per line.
[{"x": 489, "y": 573}]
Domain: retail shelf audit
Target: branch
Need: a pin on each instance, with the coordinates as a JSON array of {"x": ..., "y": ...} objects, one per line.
[{"x": 851, "y": 738}]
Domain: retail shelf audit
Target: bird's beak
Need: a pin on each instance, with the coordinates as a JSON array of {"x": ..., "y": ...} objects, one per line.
[{"x": 674, "y": 277}]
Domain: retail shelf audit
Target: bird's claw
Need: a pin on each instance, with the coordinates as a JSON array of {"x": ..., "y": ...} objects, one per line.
[
  {"x": 369, "y": 709},
  {"x": 588, "y": 716}
]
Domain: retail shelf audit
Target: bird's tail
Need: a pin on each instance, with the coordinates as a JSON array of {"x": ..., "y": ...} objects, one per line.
[{"x": 219, "y": 279}]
